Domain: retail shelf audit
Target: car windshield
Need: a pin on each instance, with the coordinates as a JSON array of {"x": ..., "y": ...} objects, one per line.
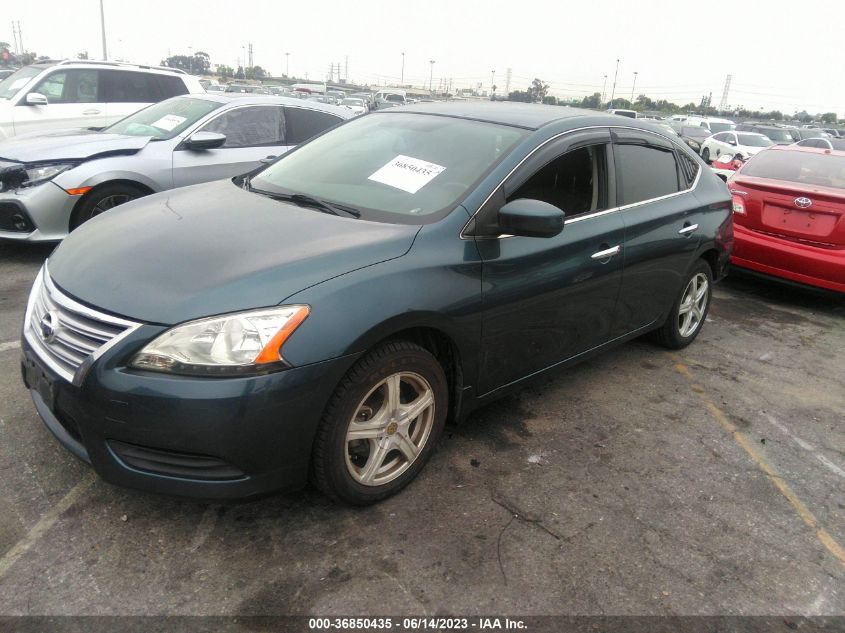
[
  {"x": 825, "y": 170},
  {"x": 716, "y": 127},
  {"x": 15, "y": 82},
  {"x": 352, "y": 102},
  {"x": 779, "y": 135},
  {"x": 695, "y": 132},
  {"x": 754, "y": 140},
  {"x": 393, "y": 167},
  {"x": 164, "y": 120}
]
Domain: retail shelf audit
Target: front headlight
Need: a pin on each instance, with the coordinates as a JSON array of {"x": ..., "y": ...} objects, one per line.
[
  {"x": 42, "y": 173},
  {"x": 232, "y": 344}
]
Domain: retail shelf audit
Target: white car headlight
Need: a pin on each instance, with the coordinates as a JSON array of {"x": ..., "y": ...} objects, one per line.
[
  {"x": 232, "y": 344},
  {"x": 42, "y": 173}
]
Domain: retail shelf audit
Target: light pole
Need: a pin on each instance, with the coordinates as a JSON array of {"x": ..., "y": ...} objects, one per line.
[
  {"x": 633, "y": 86},
  {"x": 191, "y": 59},
  {"x": 287, "y": 65},
  {"x": 613, "y": 92},
  {"x": 102, "y": 28},
  {"x": 603, "y": 89},
  {"x": 492, "y": 82},
  {"x": 431, "y": 75},
  {"x": 402, "y": 78}
]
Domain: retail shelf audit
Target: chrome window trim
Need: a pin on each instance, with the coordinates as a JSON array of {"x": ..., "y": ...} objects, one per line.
[
  {"x": 587, "y": 216},
  {"x": 76, "y": 378}
]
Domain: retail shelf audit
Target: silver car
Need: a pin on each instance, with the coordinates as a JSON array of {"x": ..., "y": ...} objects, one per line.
[{"x": 52, "y": 182}]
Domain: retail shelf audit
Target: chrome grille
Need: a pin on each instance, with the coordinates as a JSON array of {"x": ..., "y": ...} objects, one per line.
[{"x": 65, "y": 333}]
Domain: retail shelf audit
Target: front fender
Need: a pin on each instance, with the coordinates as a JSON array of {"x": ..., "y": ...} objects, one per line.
[{"x": 96, "y": 172}]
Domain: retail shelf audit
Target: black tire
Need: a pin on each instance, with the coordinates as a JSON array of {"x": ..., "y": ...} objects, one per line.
[
  {"x": 332, "y": 462},
  {"x": 101, "y": 199},
  {"x": 705, "y": 154},
  {"x": 672, "y": 333}
]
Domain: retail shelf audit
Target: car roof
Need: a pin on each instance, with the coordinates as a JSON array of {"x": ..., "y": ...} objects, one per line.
[
  {"x": 530, "y": 116},
  {"x": 744, "y": 133},
  {"x": 93, "y": 63},
  {"x": 240, "y": 98}
]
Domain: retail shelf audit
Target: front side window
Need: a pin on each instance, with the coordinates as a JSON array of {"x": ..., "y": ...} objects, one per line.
[
  {"x": 164, "y": 120},
  {"x": 53, "y": 87},
  {"x": 575, "y": 182},
  {"x": 71, "y": 86},
  {"x": 250, "y": 126},
  {"x": 722, "y": 138},
  {"x": 393, "y": 167},
  {"x": 644, "y": 172}
]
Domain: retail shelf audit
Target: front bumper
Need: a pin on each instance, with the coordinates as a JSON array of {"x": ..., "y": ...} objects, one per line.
[
  {"x": 197, "y": 437},
  {"x": 795, "y": 261},
  {"x": 46, "y": 209}
]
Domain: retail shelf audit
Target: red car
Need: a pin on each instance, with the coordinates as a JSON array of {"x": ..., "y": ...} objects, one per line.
[{"x": 789, "y": 215}]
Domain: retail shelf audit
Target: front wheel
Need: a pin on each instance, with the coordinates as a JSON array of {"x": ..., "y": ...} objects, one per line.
[
  {"x": 689, "y": 310},
  {"x": 102, "y": 199},
  {"x": 381, "y": 424},
  {"x": 705, "y": 154}
]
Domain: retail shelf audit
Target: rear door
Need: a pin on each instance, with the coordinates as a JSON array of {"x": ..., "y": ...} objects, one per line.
[
  {"x": 549, "y": 299},
  {"x": 253, "y": 132},
  {"x": 661, "y": 217},
  {"x": 73, "y": 100}
]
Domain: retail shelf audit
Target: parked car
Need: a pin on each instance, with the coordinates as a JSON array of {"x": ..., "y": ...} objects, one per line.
[
  {"x": 736, "y": 144},
  {"x": 777, "y": 134},
  {"x": 388, "y": 99},
  {"x": 805, "y": 133},
  {"x": 327, "y": 314},
  {"x": 694, "y": 136},
  {"x": 789, "y": 205},
  {"x": 712, "y": 124},
  {"x": 823, "y": 143},
  {"x": 247, "y": 89},
  {"x": 631, "y": 114},
  {"x": 358, "y": 106},
  {"x": 55, "y": 181},
  {"x": 81, "y": 93}
]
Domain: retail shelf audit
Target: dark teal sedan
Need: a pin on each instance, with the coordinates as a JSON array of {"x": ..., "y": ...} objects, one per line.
[{"x": 324, "y": 317}]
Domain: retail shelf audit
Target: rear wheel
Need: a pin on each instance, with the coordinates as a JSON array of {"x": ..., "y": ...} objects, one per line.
[
  {"x": 689, "y": 310},
  {"x": 102, "y": 199},
  {"x": 705, "y": 154},
  {"x": 381, "y": 424}
]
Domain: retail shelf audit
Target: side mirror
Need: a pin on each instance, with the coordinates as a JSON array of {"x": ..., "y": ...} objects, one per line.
[
  {"x": 205, "y": 140},
  {"x": 732, "y": 143},
  {"x": 36, "y": 98},
  {"x": 267, "y": 160},
  {"x": 530, "y": 218}
]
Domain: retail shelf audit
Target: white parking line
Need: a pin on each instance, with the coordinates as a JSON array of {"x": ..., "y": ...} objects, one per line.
[
  {"x": 836, "y": 470},
  {"x": 5, "y": 347},
  {"x": 45, "y": 523}
]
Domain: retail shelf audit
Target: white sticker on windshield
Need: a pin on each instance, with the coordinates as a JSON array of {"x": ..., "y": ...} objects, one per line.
[
  {"x": 169, "y": 122},
  {"x": 406, "y": 173}
]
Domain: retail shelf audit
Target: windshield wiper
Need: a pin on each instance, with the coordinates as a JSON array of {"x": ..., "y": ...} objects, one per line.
[{"x": 305, "y": 200}]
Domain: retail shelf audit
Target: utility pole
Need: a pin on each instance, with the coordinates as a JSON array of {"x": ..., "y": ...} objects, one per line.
[
  {"x": 604, "y": 90},
  {"x": 633, "y": 86},
  {"x": 287, "y": 65},
  {"x": 15, "y": 39},
  {"x": 615, "y": 75},
  {"x": 492, "y": 82},
  {"x": 508, "y": 82},
  {"x": 402, "y": 76},
  {"x": 102, "y": 30},
  {"x": 251, "y": 64},
  {"x": 431, "y": 75},
  {"x": 20, "y": 38},
  {"x": 346, "y": 70}
]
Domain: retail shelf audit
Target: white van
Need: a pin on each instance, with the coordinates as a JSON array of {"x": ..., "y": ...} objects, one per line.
[
  {"x": 715, "y": 125},
  {"x": 390, "y": 98}
]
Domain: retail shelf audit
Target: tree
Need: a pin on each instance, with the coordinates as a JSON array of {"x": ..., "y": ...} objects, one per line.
[
  {"x": 550, "y": 100},
  {"x": 593, "y": 101},
  {"x": 829, "y": 117},
  {"x": 82, "y": 55},
  {"x": 239, "y": 73},
  {"x": 255, "y": 72},
  {"x": 225, "y": 71},
  {"x": 538, "y": 89},
  {"x": 202, "y": 63}
]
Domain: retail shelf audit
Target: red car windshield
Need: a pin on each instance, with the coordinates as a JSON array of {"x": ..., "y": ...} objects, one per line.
[{"x": 820, "y": 170}]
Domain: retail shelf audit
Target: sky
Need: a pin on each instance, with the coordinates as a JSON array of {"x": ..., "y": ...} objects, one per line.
[{"x": 680, "y": 50}]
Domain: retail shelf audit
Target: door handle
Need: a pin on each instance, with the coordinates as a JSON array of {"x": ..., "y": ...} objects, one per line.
[
  {"x": 688, "y": 229},
  {"x": 91, "y": 111},
  {"x": 606, "y": 253}
]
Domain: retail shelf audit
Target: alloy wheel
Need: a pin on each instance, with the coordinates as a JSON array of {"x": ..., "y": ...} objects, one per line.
[
  {"x": 693, "y": 305},
  {"x": 389, "y": 429},
  {"x": 110, "y": 202}
]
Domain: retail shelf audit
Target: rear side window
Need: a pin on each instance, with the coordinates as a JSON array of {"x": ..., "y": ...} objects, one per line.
[
  {"x": 688, "y": 168},
  {"x": 127, "y": 87},
  {"x": 644, "y": 172},
  {"x": 251, "y": 126},
  {"x": 304, "y": 124},
  {"x": 169, "y": 85}
]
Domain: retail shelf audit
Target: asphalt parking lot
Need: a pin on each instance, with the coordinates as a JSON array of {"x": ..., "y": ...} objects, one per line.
[{"x": 642, "y": 482}]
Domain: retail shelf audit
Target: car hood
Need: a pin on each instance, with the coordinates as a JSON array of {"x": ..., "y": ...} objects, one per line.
[
  {"x": 75, "y": 144},
  {"x": 211, "y": 249}
]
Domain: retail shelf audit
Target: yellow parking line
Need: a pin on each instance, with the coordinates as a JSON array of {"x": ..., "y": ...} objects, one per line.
[
  {"x": 823, "y": 535},
  {"x": 45, "y": 523}
]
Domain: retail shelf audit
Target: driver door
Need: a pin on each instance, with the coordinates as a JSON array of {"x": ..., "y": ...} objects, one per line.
[
  {"x": 252, "y": 133},
  {"x": 547, "y": 300},
  {"x": 73, "y": 101}
]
